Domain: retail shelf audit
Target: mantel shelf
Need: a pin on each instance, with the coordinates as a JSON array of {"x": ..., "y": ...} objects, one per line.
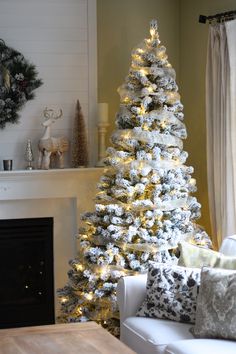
[
  {"x": 54, "y": 183},
  {"x": 48, "y": 173}
]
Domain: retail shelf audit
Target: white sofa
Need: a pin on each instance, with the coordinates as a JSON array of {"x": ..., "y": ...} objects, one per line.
[{"x": 156, "y": 336}]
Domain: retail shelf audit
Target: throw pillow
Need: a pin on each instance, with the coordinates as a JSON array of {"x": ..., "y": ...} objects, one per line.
[
  {"x": 195, "y": 256},
  {"x": 216, "y": 305},
  {"x": 171, "y": 293}
]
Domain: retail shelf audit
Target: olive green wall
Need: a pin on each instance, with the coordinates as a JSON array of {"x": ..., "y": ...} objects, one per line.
[{"x": 122, "y": 24}]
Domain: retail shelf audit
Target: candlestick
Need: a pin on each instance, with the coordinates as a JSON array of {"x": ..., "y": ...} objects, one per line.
[
  {"x": 103, "y": 123},
  {"x": 103, "y": 113}
]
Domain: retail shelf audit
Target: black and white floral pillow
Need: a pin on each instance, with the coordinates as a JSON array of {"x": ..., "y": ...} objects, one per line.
[{"x": 171, "y": 293}]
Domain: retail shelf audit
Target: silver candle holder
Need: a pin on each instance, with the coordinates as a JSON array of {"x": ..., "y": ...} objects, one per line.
[{"x": 29, "y": 157}]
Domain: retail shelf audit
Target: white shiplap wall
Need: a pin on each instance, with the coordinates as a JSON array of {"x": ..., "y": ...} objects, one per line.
[{"x": 59, "y": 37}]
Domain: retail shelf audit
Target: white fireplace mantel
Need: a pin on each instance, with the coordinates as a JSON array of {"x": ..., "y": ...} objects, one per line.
[
  {"x": 54, "y": 183},
  {"x": 62, "y": 194}
]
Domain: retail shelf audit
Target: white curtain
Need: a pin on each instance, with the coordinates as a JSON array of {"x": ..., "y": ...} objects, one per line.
[{"x": 221, "y": 128}]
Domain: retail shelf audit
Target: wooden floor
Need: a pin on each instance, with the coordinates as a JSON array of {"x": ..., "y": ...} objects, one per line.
[{"x": 76, "y": 338}]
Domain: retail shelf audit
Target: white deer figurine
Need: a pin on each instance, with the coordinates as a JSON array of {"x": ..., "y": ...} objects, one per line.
[{"x": 49, "y": 145}]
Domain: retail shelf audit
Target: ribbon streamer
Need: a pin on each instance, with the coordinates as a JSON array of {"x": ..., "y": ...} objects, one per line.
[{"x": 147, "y": 137}]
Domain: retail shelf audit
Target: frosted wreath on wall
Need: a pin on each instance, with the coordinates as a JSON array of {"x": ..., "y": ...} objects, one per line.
[{"x": 18, "y": 80}]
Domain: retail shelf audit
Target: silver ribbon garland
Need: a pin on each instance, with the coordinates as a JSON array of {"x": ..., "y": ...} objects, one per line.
[{"x": 147, "y": 137}]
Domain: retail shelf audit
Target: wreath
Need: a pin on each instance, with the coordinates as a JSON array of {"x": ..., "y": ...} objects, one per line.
[{"x": 18, "y": 79}]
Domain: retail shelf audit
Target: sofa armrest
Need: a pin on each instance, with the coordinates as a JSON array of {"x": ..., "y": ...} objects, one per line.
[
  {"x": 131, "y": 292},
  {"x": 228, "y": 247}
]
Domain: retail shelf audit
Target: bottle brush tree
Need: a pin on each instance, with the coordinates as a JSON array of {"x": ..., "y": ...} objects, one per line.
[{"x": 79, "y": 140}]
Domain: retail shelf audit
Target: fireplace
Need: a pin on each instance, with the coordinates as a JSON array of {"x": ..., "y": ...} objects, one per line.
[
  {"x": 26, "y": 272},
  {"x": 61, "y": 194}
]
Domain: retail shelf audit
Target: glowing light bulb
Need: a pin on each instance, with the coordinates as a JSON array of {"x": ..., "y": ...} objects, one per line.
[
  {"x": 140, "y": 50},
  {"x": 126, "y": 99},
  {"x": 142, "y": 110},
  {"x": 89, "y": 296},
  {"x": 152, "y": 32},
  {"x": 64, "y": 300},
  {"x": 79, "y": 311},
  {"x": 143, "y": 72},
  {"x": 126, "y": 135},
  {"x": 162, "y": 55},
  {"x": 103, "y": 272},
  {"x": 79, "y": 267}
]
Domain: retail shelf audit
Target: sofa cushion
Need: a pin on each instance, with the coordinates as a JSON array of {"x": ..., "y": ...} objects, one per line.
[
  {"x": 202, "y": 346},
  {"x": 149, "y": 335},
  {"x": 216, "y": 304},
  {"x": 195, "y": 256},
  {"x": 171, "y": 293}
]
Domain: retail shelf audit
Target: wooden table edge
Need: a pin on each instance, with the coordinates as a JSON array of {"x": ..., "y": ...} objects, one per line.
[{"x": 54, "y": 328}]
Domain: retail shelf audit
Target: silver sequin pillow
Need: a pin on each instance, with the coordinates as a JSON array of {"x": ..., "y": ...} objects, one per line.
[
  {"x": 216, "y": 304},
  {"x": 171, "y": 293}
]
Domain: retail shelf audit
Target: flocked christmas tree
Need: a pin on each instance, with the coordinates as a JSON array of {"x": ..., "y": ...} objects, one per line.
[{"x": 144, "y": 206}]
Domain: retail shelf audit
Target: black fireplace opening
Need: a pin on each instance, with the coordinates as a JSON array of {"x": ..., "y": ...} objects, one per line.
[{"x": 26, "y": 272}]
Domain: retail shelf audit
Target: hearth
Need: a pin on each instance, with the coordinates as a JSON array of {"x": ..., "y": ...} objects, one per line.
[{"x": 26, "y": 272}]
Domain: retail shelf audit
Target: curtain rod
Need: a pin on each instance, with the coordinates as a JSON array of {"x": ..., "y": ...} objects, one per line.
[{"x": 221, "y": 17}]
